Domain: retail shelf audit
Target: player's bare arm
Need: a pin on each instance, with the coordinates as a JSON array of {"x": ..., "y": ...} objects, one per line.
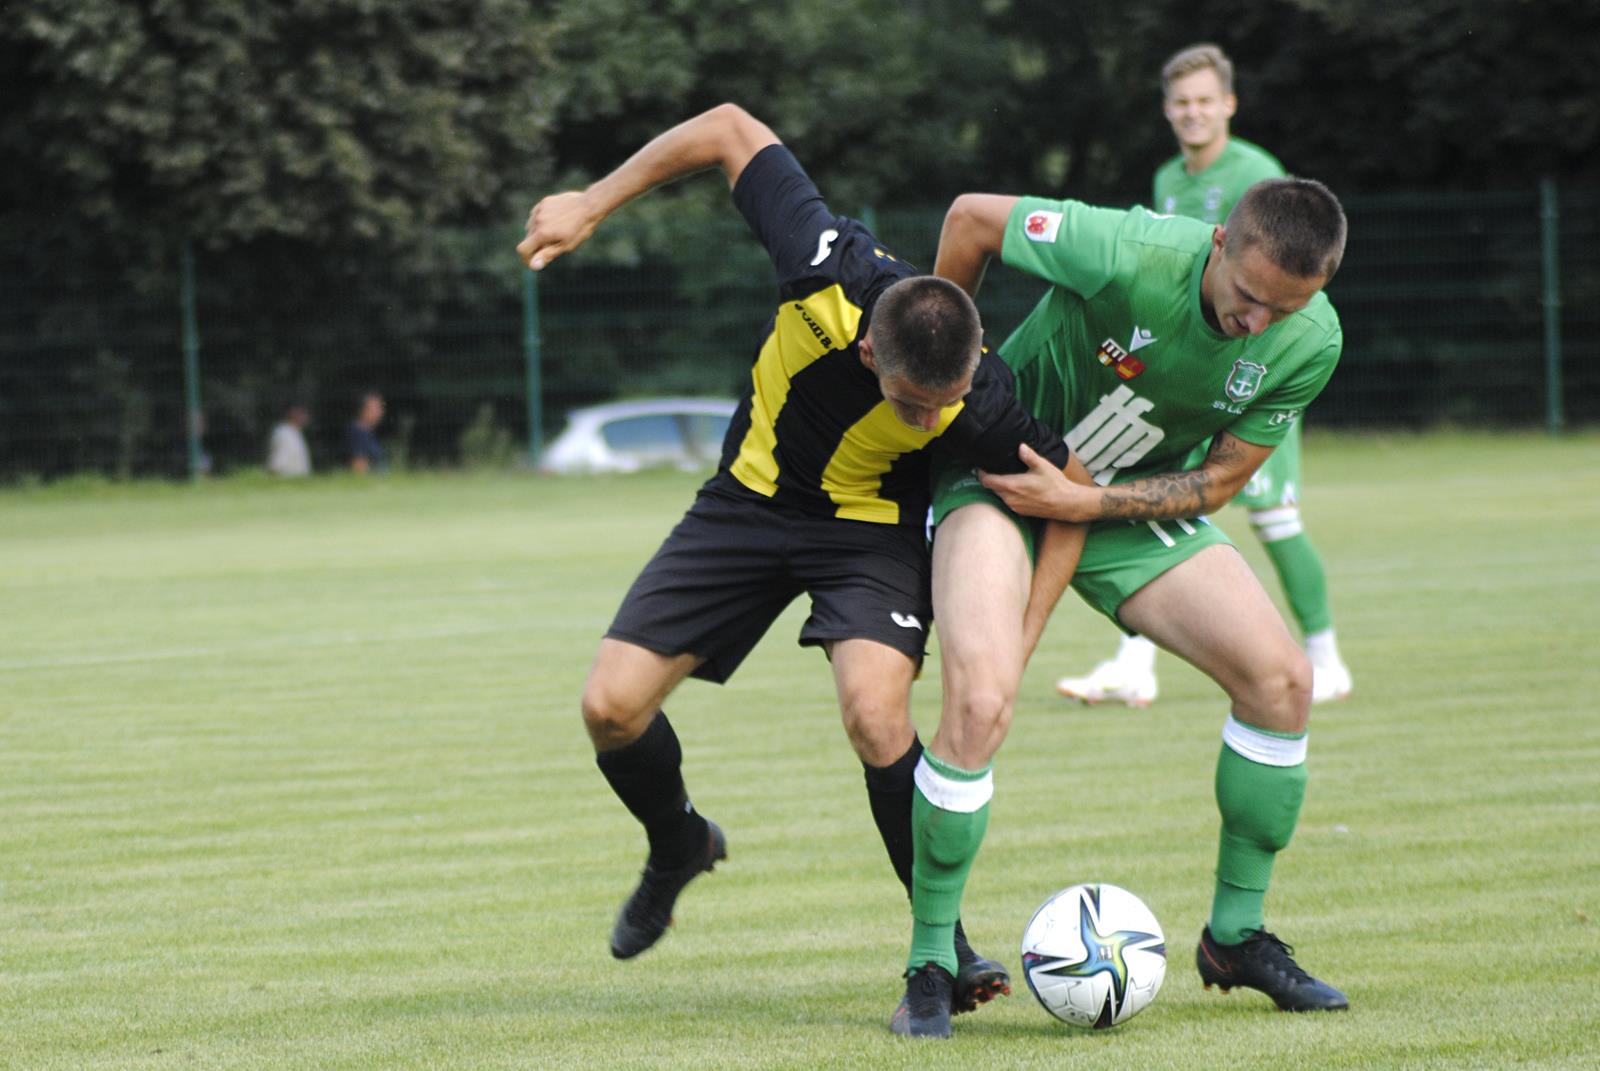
[
  {"x": 1044, "y": 491},
  {"x": 1060, "y": 547},
  {"x": 727, "y": 136},
  {"x": 974, "y": 230}
]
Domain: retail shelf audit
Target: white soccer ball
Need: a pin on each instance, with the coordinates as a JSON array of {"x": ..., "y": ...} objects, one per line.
[{"x": 1094, "y": 955}]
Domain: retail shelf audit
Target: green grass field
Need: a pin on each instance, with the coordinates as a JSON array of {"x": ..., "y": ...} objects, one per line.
[{"x": 293, "y": 777}]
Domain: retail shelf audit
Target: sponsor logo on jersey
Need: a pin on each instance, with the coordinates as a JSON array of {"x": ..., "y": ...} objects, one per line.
[
  {"x": 1119, "y": 360},
  {"x": 1042, "y": 226},
  {"x": 825, "y": 242},
  {"x": 1170, "y": 205},
  {"x": 1213, "y": 203},
  {"x": 1244, "y": 380},
  {"x": 1115, "y": 434},
  {"x": 816, "y": 328},
  {"x": 1142, "y": 337},
  {"x": 1284, "y": 417}
]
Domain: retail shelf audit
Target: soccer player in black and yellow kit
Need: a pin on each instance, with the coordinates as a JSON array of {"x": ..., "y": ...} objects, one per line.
[{"x": 822, "y": 489}]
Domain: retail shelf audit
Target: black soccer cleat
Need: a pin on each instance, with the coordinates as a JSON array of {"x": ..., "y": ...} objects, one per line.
[
  {"x": 648, "y": 912},
  {"x": 924, "y": 1011},
  {"x": 1263, "y": 962},
  {"x": 978, "y": 980}
]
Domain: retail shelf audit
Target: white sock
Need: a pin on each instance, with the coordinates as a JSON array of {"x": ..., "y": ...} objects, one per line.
[
  {"x": 1323, "y": 648},
  {"x": 1137, "y": 653}
]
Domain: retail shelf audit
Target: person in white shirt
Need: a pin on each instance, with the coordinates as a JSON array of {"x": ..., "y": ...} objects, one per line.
[{"x": 288, "y": 455}]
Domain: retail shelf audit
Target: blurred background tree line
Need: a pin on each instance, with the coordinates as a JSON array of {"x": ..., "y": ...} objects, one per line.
[{"x": 352, "y": 174}]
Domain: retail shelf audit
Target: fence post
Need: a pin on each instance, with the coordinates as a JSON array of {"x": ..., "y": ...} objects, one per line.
[
  {"x": 194, "y": 418},
  {"x": 1549, "y": 216},
  {"x": 532, "y": 356}
]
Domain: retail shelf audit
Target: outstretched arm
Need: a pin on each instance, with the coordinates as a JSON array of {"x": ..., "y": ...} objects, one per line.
[
  {"x": 1044, "y": 491},
  {"x": 727, "y": 136},
  {"x": 974, "y": 230}
]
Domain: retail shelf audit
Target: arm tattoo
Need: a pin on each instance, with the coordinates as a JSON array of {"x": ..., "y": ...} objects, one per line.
[
  {"x": 1158, "y": 498},
  {"x": 1175, "y": 494}
]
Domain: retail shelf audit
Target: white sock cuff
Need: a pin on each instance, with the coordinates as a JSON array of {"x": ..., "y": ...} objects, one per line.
[
  {"x": 1274, "y": 524},
  {"x": 1266, "y": 748},
  {"x": 950, "y": 794}
]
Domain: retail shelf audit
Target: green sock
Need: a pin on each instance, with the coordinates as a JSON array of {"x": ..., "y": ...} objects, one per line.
[
  {"x": 949, "y": 814},
  {"x": 1305, "y": 582},
  {"x": 1260, "y": 804}
]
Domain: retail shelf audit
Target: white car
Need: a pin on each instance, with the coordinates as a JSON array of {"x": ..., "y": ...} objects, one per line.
[{"x": 628, "y": 436}]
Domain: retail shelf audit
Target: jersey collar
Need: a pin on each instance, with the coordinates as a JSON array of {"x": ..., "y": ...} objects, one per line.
[{"x": 1196, "y": 306}]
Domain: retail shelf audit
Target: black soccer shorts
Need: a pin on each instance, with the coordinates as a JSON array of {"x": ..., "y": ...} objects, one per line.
[{"x": 731, "y": 566}]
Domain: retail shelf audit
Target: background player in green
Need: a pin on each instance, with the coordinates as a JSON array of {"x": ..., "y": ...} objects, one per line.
[
  {"x": 1156, "y": 335},
  {"x": 1204, "y": 181}
]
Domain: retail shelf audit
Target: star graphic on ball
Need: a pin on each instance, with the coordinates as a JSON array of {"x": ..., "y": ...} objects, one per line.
[{"x": 1105, "y": 952}]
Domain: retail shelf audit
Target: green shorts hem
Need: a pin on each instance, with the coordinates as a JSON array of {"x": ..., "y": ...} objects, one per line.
[{"x": 1119, "y": 557}]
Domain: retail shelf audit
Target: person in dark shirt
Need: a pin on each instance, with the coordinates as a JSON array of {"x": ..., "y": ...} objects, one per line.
[
  {"x": 822, "y": 489},
  {"x": 361, "y": 439}
]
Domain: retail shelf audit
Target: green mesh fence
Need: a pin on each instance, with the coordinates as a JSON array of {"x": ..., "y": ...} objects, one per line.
[{"x": 1441, "y": 294}]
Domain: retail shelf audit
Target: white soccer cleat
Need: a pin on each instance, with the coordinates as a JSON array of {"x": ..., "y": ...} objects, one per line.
[
  {"x": 1330, "y": 682},
  {"x": 1112, "y": 682}
]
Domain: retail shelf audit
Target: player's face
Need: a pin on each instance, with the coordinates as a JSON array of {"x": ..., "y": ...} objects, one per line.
[
  {"x": 1198, "y": 109},
  {"x": 1247, "y": 293},
  {"x": 919, "y": 407}
]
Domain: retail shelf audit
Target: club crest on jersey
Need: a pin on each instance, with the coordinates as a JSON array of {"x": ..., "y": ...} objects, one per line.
[
  {"x": 1042, "y": 226},
  {"x": 1244, "y": 380},
  {"x": 1119, "y": 360}
]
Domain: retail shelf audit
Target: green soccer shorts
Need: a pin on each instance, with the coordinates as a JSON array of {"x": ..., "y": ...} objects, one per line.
[{"x": 1119, "y": 557}]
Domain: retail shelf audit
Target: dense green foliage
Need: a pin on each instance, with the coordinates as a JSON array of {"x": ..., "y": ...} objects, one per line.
[
  {"x": 318, "y": 153},
  {"x": 293, "y": 778}
]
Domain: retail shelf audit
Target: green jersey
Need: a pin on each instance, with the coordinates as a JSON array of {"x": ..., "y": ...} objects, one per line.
[
  {"x": 1118, "y": 356},
  {"x": 1210, "y": 195}
]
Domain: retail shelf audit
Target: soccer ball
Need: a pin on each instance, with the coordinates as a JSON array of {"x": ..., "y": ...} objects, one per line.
[{"x": 1094, "y": 955}]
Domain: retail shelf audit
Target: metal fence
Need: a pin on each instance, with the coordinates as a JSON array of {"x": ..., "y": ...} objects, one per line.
[{"x": 1479, "y": 309}]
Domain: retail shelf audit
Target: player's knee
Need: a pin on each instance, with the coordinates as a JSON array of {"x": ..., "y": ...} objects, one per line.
[
  {"x": 610, "y": 716},
  {"x": 983, "y": 712},
  {"x": 1285, "y": 691},
  {"x": 879, "y": 727}
]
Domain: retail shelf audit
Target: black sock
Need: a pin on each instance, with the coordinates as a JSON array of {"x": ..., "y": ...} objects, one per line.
[
  {"x": 889, "y": 792},
  {"x": 646, "y": 776}
]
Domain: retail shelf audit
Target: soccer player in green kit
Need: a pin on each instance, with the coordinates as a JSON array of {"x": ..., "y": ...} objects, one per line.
[
  {"x": 1157, "y": 334},
  {"x": 1204, "y": 181}
]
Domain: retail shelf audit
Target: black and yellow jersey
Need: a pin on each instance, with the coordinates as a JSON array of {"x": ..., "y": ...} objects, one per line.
[{"x": 813, "y": 432}]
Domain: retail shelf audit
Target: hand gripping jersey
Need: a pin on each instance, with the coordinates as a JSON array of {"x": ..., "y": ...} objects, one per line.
[
  {"x": 1118, "y": 356},
  {"x": 814, "y": 433},
  {"x": 1210, "y": 195}
]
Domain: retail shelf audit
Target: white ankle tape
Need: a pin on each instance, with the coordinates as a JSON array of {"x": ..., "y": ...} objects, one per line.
[{"x": 1269, "y": 750}]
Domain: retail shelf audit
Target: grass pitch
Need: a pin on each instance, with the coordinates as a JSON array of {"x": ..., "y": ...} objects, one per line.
[{"x": 292, "y": 777}]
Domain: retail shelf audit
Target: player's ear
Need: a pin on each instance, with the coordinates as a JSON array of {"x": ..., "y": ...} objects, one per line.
[
  {"x": 1230, "y": 104},
  {"x": 864, "y": 347},
  {"x": 1219, "y": 237}
]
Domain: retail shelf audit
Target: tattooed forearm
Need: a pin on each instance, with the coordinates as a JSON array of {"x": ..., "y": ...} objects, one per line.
[
  {"x": 1226, "y": 451},
  {"x": 1158, "y": 498},
  {"x": 1228, "y": 465}
]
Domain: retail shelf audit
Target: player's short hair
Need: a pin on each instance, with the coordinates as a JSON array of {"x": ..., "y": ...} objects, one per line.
[
  {"x": 1197, "y": 58},
  {"x": 926, "y": 330},
  {"x": 1297, "y": 222}
]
